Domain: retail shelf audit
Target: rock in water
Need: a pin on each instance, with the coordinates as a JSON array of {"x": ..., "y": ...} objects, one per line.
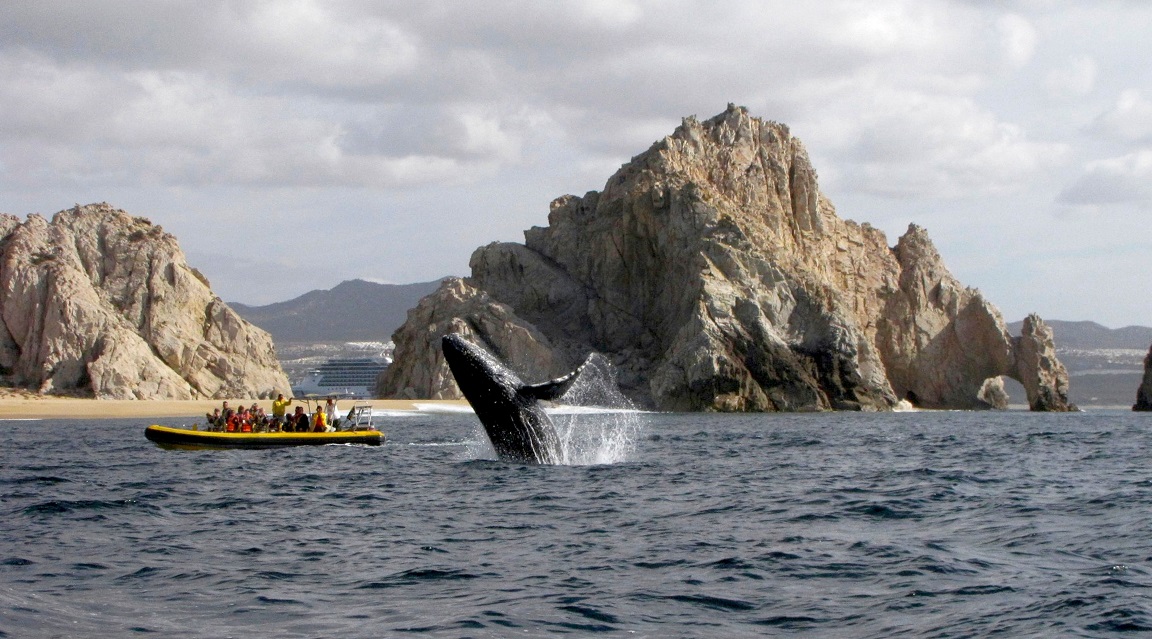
[
  {"x": 715, "y": 275},
  {"x": 99, "y": 301},
  {"x": 1144, "y": 393}
]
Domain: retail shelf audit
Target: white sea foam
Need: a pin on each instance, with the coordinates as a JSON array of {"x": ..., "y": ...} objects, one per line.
[
  {"x": 394, "y": 413},
  {"x": 423, "y": 409},
  {"x": 596, "y": 424},
  {"x": 443, "y": 408},
  {"x": 566, "y": 409}
]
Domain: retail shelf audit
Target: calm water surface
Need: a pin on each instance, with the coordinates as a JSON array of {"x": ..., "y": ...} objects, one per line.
[{"x": 834, "y": 525}]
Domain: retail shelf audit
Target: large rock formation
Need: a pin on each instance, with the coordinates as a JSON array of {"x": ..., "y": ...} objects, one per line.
[
  {"x": 1144, "y": 393},
  {"x": 715, "y": 276},
  {"x": 99, "y": 302}
]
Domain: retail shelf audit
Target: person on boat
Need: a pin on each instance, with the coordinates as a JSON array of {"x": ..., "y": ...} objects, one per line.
[
  {"x": 226, "y": 414},
  {"x": 331, "y": 413},
  {"x": 245, "y": 420},
  {"x": 320, "y": 422},
  {"x": 232, "y": 424},
  {"x": 212, "y": 419},
  {"x": 280, "y": 410},
  {"x": 251, "y": 416},
  {"x": 259, "y": 420},
  {"x": 299, "y": 422}
]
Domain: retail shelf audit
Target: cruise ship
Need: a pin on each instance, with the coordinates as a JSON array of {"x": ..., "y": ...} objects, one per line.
[{"x": 353, "y": 378}]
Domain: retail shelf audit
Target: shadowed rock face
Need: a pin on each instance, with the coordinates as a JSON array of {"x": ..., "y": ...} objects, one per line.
[
  {"x": 715, "y": 276},
  {"x": 1144, "y": 393},
  {"x": 96, "y": 301}
]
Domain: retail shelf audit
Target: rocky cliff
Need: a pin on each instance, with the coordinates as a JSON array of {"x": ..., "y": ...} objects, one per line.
[
  {"x": 1144, "y": 392},
  {"x": 714, "y": 275},
  {"x": 98, "y": 302}
]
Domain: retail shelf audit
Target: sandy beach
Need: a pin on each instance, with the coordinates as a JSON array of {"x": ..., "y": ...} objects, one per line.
[{"x": 32, "y": 406}]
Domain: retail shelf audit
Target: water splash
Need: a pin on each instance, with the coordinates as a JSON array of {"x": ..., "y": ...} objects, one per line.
[
  {"x": 904, "y": 406},
  {"x": 596, "y": 423}
]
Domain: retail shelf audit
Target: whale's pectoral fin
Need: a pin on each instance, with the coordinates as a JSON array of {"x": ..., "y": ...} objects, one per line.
[{"x": 553, "y": 389}]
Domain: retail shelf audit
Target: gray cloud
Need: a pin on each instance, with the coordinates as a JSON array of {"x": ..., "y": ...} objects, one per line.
[
  {"x": 1121, "y": 180},
  {"x": 1129, "y": 120}
]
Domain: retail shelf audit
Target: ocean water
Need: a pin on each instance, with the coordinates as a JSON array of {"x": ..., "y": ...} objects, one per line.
[{"x": 927, "y": 524}]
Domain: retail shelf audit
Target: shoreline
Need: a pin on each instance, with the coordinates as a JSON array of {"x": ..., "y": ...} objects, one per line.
[{"x": 41, "y": 407}]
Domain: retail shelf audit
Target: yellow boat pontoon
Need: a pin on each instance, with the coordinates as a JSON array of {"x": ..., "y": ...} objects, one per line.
[
  {"x": 168, "y": 436},
  {"x": 361, "y": 432}
]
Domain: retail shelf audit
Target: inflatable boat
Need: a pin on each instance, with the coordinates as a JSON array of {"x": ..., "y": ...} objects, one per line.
[{"x": 170, "y": 437}]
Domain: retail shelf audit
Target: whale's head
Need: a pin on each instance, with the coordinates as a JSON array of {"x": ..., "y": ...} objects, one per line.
[{"x": 479, "y": 375}]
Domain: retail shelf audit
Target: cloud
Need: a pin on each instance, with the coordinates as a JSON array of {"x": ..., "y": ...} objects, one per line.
[
  {"x": 1018, "y": 38},
  {"x": 914, "y": 144},
  {"x": 1076, "y": 77},
  {"x": 1122, "y": 180},
  {"x": 86, "y": 126},
  {"x": 1129, "y": 120},
  {"x": 1119, "y": 180},
  {"x": 363, "y": 95}
]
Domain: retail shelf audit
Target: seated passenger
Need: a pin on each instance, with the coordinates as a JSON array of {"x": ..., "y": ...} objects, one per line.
[
  {"x": 320, "y": 422},
  {"x": 243, "y": 421},
  {"x": 299, "y": 421},
  {"x": 226, "y": 415},
  {"x": 259, "y": 420}
]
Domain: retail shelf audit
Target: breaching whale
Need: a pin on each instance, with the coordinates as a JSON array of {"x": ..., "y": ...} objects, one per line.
[{"x": 509, "y": 409}]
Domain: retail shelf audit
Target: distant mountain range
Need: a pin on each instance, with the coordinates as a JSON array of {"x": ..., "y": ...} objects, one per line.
[
  {"x": 353, "y": 311},
  {"x": 1090, "y": 335}
]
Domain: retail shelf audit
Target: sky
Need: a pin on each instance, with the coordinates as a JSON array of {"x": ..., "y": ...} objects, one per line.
[{"x": 293, "y": 144}]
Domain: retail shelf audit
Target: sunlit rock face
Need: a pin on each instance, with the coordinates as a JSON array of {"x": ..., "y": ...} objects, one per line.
[
  {"x": 97, "y": 302},
  {"x": 715, "y": 276}
]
